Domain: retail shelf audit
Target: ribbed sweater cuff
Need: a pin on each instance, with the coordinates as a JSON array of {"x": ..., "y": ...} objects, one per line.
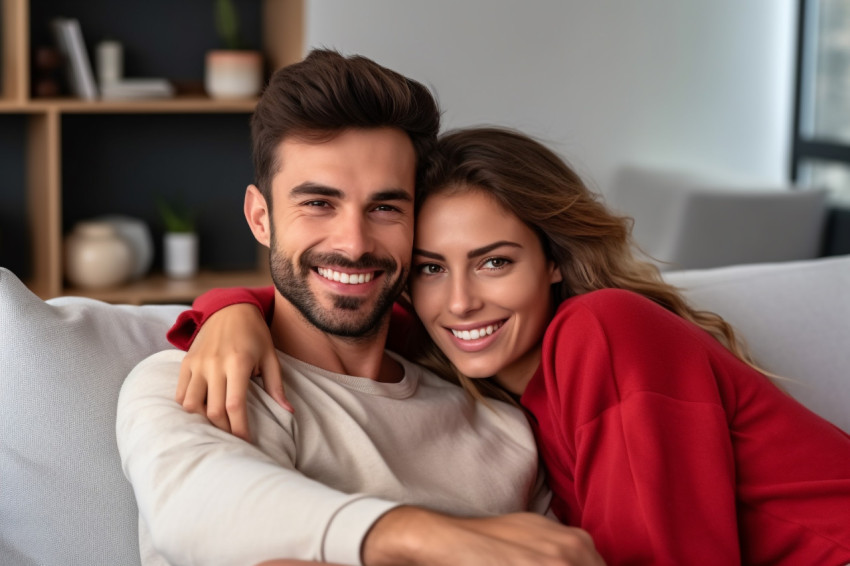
[{"x": 349, "y": 527}]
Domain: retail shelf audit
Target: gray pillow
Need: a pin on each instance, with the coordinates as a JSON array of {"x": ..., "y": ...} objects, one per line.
[
  {"x": 63, "y": 496},
  {"x": 794, "y": 317}
]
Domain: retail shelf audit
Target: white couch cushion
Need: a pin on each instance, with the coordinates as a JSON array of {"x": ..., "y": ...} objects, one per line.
[
  {"x": 63, "y": 497},
  {"x": 795, "y": 316}
]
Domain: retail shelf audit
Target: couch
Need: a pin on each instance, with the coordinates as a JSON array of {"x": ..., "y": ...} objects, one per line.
[{"x": 63, "y": 496}]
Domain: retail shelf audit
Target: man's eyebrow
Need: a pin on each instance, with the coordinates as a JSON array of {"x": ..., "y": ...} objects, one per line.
[
  {"x": 315, "y": 189},
  {"x": 392, "y": 194},
  {"x": 472, "y": 253}
]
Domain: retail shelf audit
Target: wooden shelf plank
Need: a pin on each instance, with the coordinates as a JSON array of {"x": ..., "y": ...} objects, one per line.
[
  {"x": 45, "y": 199},
  {"x": 14, "y": 61},
  {"x": 181, "y": 104},
  {"x": 160, "y": 289}
]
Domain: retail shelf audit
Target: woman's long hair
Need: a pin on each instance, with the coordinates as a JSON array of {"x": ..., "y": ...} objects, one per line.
[{"x": 591, "y": 246}]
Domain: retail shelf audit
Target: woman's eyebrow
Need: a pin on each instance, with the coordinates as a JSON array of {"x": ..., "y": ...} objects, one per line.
[
  {"x": 490, "y": 247},
  {"x": 432, "y": 255}
]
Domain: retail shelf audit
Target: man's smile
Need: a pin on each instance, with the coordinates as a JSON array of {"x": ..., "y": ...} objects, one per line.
[{"x": 347, "y": 278}]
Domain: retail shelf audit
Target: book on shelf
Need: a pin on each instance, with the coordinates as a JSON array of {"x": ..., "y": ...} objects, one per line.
[
  {"x": 69, "y": 40},
  {"x": 136, "y": 88}
]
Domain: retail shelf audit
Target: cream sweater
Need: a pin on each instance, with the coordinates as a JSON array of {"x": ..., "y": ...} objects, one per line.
[{"x": 314, "y": 482}]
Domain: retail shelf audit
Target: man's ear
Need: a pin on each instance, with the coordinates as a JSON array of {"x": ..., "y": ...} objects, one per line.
[{"x": 257, "y": 214}]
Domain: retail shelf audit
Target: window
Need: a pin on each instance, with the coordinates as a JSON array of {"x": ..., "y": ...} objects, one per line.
[{"x": 821, "y": 151}]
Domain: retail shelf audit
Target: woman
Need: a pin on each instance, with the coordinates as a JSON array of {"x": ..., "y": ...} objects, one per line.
[{"x": 660, "y": 436}]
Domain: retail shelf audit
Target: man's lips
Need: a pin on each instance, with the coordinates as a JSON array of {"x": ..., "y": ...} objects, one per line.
[{"x": 347, "y": 277}]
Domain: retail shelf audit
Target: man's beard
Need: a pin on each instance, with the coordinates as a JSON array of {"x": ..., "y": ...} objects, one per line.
[{"x": 344, "y": 318}]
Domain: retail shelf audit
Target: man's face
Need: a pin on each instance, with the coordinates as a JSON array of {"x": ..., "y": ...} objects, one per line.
[{"x": 342, "y": 227}]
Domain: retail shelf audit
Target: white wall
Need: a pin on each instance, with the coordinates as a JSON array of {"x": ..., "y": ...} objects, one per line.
[{"x": 699, "y": 85}]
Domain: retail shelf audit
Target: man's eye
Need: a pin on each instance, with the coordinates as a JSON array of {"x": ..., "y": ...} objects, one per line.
[
  {"x": 386, "y": 208},
  {"x": 316, "y": 203}
]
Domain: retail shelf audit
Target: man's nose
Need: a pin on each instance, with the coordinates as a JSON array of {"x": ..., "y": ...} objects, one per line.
[{"x": 352, "y": 235}]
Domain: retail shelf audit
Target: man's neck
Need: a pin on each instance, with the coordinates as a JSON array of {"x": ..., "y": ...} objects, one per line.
[{"x": 360, "y": 357}]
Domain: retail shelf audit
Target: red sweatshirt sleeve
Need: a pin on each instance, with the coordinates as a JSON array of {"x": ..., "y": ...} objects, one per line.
[{"x": 189, "y": 322}]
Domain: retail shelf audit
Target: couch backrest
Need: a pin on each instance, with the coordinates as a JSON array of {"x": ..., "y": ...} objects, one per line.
[
  {"x": 63, "y": 496},
  {"x": 795, "y": 316}
]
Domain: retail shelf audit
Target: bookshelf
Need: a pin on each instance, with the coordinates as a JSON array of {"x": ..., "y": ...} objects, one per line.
[{"x": 75, "y": 166}]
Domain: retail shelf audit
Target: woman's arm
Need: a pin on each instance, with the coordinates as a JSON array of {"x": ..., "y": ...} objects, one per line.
[
  {"x": 228, "y": 341},
  {"x": 182, "y": 334}
]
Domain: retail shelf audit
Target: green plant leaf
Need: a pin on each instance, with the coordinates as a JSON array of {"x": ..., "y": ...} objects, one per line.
[
  {"x": 175, "y": 218},
  {"x": 227, "y": 23}
]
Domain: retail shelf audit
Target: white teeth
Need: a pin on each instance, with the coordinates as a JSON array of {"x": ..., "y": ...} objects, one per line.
[
  {"x": 476, "y": 333},
  {"x": 347, "y": 278}
]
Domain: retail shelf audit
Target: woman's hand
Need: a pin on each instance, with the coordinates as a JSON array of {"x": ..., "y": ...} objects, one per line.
[{"x": 232, "y": 346}]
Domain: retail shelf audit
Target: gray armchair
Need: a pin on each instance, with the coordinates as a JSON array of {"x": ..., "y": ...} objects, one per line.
[{"x": 684, "y": 222}]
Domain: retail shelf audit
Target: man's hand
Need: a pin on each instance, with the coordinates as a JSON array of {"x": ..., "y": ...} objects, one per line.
[{"x": 413, "y": 536}]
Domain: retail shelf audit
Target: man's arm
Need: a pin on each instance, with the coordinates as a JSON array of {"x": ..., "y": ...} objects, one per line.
[
  {"x": 413, "y": 536},
  {"x": 208, "y": 497}
]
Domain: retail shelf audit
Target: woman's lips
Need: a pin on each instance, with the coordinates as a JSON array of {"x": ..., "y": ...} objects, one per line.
[{"x": 473, "y": 338}]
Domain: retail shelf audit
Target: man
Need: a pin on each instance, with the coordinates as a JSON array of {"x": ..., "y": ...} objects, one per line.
[{"x": 338, "y": 147}]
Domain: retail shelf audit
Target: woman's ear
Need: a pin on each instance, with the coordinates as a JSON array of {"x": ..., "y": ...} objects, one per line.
[
  {"x": 257, "y": 214},
  {"x": 555, "y": 275}
]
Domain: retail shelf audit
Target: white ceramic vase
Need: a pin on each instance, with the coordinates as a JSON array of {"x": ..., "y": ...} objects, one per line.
[
  {"x": 138, "y": 235},
  {"x": 97, "y": 257},
  {"x": 233, "y": 74},
  {"x": 180, "y": 250}
]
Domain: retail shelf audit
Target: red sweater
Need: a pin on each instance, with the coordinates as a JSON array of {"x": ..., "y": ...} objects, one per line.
[
  {"x": 668, "y": 449},
  {"x": 672, "y": 451}
]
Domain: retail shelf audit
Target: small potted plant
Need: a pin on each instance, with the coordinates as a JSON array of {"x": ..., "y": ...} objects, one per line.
[
  {"x": 232, "y": 72},
  {"x": 180, "y": 241}
]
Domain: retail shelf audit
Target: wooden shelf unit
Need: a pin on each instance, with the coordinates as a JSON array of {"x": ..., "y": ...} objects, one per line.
[{"x": 283, "y": 40}]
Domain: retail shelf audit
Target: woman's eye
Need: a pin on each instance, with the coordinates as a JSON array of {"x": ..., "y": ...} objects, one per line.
[
  {"x": 429, "y": 269},
  {"x": 495, "y": 263}
]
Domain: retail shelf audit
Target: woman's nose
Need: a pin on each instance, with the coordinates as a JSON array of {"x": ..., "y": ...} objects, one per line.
[{"x": 463, "y": 298}]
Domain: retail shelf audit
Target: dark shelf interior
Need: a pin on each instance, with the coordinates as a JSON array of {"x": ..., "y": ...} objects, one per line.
[
  {"x": 121, "y": 164},
  {"x": 161, "y": 38},
  {"x": 15, "y": 243}
]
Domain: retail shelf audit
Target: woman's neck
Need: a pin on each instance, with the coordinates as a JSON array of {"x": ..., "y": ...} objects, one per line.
[{"x": 516, "y": 377}]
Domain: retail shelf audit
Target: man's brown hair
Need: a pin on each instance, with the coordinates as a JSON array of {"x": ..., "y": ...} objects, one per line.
[{"x": 326, "y": 93}]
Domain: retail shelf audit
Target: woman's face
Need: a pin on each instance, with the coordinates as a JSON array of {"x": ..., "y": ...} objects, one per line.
[{"x": 480, "y": 283}]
